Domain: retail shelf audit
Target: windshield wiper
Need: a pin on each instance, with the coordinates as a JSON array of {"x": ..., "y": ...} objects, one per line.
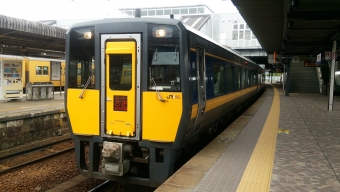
[
  {"x": 159, "y": 96},
  {"x": 86, "y": 84}
]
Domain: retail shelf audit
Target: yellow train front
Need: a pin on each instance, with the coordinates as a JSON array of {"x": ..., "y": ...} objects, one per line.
[{"x": 140, "y": 90}]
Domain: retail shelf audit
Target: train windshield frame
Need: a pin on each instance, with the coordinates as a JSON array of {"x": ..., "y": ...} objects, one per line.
[
  {"x": 81, "y": 58},
  {"x": 163, "y": 58}
]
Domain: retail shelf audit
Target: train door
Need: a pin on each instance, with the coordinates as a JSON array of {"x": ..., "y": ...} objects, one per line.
[
  {"x": 120, "y": 95},
  {"x": 201, "y": 87}
]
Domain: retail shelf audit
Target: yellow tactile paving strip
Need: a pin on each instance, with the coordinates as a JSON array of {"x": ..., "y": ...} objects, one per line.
[{"x": 257, "y": 176}]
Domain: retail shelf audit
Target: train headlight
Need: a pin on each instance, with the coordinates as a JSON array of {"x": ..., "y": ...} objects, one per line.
[
  {"x": 87, "y": 35},
  {"x": 161, "y": 32}
]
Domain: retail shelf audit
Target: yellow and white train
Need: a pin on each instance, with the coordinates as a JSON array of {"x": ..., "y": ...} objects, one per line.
[
  {"x": 140, "y": 90},
  {"x": 19, "y": 70}
]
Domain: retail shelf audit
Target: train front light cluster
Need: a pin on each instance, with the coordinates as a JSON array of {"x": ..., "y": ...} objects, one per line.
[
  {"x": 87, "y": 35},
  {"x": 162, "y": 32},
  {"x": 113, "y": 162},
  {"x": 84, "y": 33}
]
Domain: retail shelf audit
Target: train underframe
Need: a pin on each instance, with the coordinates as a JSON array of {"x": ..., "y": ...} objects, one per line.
[{"x": 136, "y": 165}]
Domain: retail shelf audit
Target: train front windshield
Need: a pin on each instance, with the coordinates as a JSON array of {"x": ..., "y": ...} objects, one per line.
[
  {"x": 163, "y": 58},
  {"x": 81, "y": 61}
]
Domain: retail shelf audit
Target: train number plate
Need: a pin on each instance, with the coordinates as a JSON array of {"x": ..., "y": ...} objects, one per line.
[{"x": 120, "y": 103}]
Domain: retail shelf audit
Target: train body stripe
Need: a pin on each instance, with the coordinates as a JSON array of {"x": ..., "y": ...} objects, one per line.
[{"x": 218, "y": 101}]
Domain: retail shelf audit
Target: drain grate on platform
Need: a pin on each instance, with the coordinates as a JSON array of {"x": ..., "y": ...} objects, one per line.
[{"x": 223, "y": 140}]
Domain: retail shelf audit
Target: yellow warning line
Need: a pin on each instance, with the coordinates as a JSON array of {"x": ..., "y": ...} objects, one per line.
[{"x": 257, "y": 176}]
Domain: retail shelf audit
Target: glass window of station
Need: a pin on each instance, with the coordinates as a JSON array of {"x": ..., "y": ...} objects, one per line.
[
  {"x": 166, "y": 11},
  {"x": 242, "y": 31}
]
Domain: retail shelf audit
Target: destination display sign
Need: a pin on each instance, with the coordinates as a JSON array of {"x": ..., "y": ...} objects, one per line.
[{"x": 120, "y": 103}]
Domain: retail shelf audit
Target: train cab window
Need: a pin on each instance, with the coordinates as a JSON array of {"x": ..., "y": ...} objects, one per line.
[
  {"x": 81, "y": 59},
  {"x": 163, "y": 58}
]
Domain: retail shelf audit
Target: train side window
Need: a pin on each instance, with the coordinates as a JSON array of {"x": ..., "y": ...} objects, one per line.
[
  {"x": 38, "y": 70},
  {"x": 45, "y": 70},
  {"x": 230, "y": 78},
  {"x": 237, "y": 78},
  {"x": 246, "y": 79},
  {"x": 249, "y": 79},
  {"x": 218, "y": 78},
  {"x": 41, "y": 70},
  {"x": 242, "y": 73}
]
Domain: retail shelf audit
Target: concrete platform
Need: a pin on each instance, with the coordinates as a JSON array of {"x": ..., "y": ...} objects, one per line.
[
  {"x": 279, "y": 144},
  {"x": 22, "y": 108}
]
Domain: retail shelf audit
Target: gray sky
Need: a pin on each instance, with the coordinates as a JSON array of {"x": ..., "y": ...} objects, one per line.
[{"x": 87, "y": 9}]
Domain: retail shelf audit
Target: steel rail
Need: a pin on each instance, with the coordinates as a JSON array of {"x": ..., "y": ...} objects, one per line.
[
  {"x": 37, "y": 160},
  {"x": 101, "y": 186},
  {"x": 20, "y": 153}
]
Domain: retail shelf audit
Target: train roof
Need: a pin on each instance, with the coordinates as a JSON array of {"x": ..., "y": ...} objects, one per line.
[
  {"x": 17, "y": 57},
  {"x": 166, "y": 21}
]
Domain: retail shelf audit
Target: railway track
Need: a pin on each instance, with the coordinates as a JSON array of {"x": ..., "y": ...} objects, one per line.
[
  {"x": 32, "y": 155},
  {"x": 101, "y": 187}
]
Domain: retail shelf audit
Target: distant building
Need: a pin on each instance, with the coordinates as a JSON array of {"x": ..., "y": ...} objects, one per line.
[
  {"x": 228, "y": 29},
  {"x": 177, "y": 11}
]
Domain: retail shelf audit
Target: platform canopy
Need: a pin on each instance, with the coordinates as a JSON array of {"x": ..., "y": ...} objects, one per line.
[
  {"x": 29, "y": 38},
  {"x": 293, "y": 27}
]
